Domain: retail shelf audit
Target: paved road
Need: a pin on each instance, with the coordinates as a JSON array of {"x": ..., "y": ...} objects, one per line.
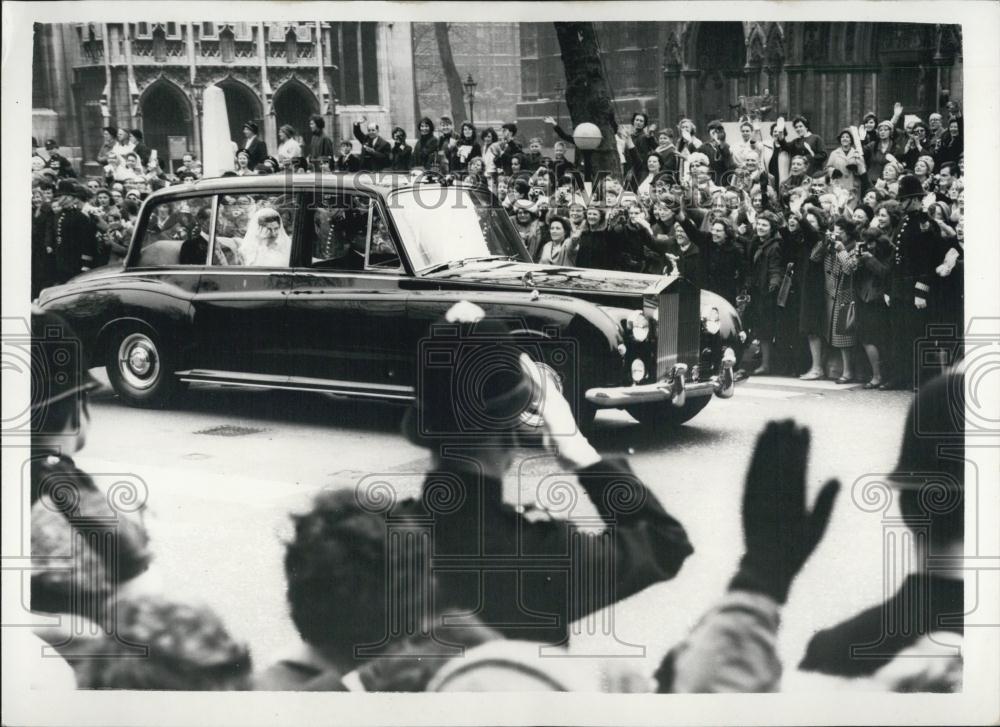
[{"x": 224, "y": 471}]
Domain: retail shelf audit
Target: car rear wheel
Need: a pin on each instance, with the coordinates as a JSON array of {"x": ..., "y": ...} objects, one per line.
[
  {"x": 140, "y": 369},
  {"x": 666, "y": 414}
]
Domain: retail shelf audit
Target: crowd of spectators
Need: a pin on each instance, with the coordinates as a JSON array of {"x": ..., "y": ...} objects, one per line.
[{"x": 817, "y": 247}]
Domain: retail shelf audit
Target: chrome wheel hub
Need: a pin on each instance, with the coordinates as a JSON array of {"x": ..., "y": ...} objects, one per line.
[{"x": 138, "y": 361}]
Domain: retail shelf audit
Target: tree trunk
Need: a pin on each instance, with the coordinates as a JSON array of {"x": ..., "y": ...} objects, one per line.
[
  {"x": 455, "y": 90},
  {"x": 587, "y": 95}
]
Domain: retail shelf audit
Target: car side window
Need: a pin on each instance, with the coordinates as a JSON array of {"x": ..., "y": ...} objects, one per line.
[
  {"x": 177, "y": 232},
  {"x": 382, "y": 253},
  {"x": 348, "y": 232},
  {"x": 255, "y": 230}
]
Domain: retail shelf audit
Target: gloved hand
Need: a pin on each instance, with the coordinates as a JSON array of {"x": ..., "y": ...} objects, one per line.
[
  {"x": 780, "y": 532},
  {"x": 558, "y": 422},
  {"x": 920, "y": 303}
]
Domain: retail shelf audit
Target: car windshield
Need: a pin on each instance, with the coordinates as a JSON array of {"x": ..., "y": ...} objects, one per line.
[{"x": 441, "y": 225}]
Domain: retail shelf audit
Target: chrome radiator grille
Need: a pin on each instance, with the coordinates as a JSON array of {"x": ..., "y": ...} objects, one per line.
[{"x": 678, "y": 334}]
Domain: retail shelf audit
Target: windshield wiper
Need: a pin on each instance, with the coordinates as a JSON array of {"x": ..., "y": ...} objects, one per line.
[{"x": 451, "y": 264}]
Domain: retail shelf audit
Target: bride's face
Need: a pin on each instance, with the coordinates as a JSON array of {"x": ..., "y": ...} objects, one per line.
[{"x": 269, "y": 227}]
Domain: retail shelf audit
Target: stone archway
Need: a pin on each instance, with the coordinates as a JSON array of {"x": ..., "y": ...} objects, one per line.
[
  {"x": 166, "y": 112},
  {"x": 242, "y": 105},
  {"x": 293, "y": 104},
  {"x": 717, "y": 51}
]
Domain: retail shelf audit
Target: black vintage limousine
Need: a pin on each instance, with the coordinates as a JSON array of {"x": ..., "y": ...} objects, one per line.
[{"x": 333, "y": 283}]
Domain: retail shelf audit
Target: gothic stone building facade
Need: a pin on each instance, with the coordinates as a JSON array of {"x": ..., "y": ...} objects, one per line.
[
  {"x": 831, "y": 72},
  {"x": 152, "y": 75}
]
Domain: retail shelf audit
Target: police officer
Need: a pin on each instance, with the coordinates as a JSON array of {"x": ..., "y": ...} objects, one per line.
[
  {"x": 917, "y": 245},
  {"x": 75, "y": 232},
  {"x": 526, "y": 574}
]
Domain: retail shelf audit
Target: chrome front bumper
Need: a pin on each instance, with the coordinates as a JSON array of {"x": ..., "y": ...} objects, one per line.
[{"x": 672, "y": 388}]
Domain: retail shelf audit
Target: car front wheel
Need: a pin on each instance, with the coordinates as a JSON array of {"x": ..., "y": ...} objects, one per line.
[
  {"x": 666, "y": 414},
  {"x": 140, "y": 369}
]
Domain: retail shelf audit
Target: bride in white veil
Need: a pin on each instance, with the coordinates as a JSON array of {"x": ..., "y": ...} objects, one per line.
[{"x": 266, "y": 244}]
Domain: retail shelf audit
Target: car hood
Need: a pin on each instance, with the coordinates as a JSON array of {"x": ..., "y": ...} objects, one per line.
[{"x": 550, "y": 277}]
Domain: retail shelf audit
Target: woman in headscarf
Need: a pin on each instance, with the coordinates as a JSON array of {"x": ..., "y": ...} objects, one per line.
[
  {"x": 850, "y": 163},
  {"x": 923, "y": 169},
  {"x": 528, "y": 227},
  {"x": 880, "y": 150},
  {"x": 266, "y": 244}
]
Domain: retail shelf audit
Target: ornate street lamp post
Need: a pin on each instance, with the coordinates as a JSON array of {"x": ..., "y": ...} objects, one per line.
[{"x": 470, "y": 93}]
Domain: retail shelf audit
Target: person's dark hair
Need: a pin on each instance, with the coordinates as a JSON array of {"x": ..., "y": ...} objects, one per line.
[
  {"x": 445, "y": 120},
  {"x": 137, "y": 133},
  {"x": 263, "y": 168},
  {"x": 396, "y": 130},
  {"x": 952, "y": 167},
  {"x": 319, "y": 121},
  {"x": 229, "y": 173},
  {"x": 716, "y": 125},
  {"x": 892, "y": 207},
  {"x": 511, "y": 127},
  {"x": 848, "y": 226},
  {"x": 522, "y": 187},
  {"x": 643, "y": 114},
  {"x": 726, "y": 224},
  {"x": 188, "y": 649},
  {"x": 47, "y": 186},
  {"x": 336, "y": 568},
  {"x": 289, "y": 131},
  {"x": 430, "y": 125},
  {"x": 131, "y": 208},
  {"x": 567, "y": 227},
  {"x": 490, "y": 132},
  {"x": 800, "y": 118},
  {"x": 821, "y": 218},
  {"x": 466, "y": 125}
]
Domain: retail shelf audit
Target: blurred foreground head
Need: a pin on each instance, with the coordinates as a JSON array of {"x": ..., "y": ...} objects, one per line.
[
  {"x": 162, "y": 645},
  {"x": 930, "y": 473}
]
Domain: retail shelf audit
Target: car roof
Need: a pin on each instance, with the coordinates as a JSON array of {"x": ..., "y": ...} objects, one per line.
[{"x": 382, "y": 184}]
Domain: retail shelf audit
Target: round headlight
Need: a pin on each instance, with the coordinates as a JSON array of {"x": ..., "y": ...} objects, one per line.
[
  {"x": 638, "y": 370},
  {"x": 638, "y": 324}
]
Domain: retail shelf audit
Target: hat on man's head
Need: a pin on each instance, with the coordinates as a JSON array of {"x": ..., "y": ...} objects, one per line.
[
  {"x": 113, "y": 130},
  {"x": 250, "y": 125},
  {"x": 471, "y": 381},
  {"x": 910, "y": 186},
  {"x": 73, "y": 188}
]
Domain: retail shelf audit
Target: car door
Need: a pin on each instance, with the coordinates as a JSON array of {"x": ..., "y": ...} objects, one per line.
[
  {"x": 240, "y": 309},
  {"x": 346, "y": 306}
]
